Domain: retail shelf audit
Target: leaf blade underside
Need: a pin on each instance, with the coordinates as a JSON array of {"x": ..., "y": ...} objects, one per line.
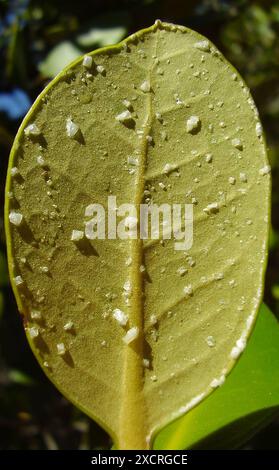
[{"x": 168, "y": 74}]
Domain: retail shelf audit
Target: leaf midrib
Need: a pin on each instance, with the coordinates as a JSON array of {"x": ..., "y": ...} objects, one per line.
[{"x": 133, "y": 424}]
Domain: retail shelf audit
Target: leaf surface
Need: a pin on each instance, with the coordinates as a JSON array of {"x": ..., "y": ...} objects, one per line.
[{"x": 192, "y": 137}]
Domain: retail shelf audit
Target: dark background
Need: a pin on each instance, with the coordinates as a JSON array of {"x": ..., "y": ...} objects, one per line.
[{"x": 33, "y": 415}]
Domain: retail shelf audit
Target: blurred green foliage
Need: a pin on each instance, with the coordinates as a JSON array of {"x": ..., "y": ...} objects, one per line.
[{"x": 33, "y": 35}]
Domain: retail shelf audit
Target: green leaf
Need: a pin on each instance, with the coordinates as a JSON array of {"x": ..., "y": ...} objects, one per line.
[
  {"x": 275, "y": 291},
  {"x": 16, "y": 55},
  {"x": 58, "y": 58},
  {"x": 189, "y": 134},
  {"x": 105, "y": 30},
  {"x": 273, "y": 239},
  {"x": 20, "y": 378},
  {"x": 248, "y": 399}
]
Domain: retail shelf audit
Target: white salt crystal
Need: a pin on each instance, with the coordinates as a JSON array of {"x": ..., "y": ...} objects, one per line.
[
  {"x": 121, "y": 317},
  {"x": 212, "y": 208},
  {"x": 202, "y": 46},
  {"x": 14, "y": 171},
  {"x": 87, "y": 61},
  {"x": 32, "y": 130},
  {"x": 18, "y": 280},
  {"x": 68, "y": 326},
  {"x": 145, "y": 86},
  {"x": 61, "y": 350},
  {"x": 33, "y": 332},
  {"x": 265, "y": 170},
  {"x": 192, "y": 123},
  {"x": 77, "y": 235},
  {"x": 124, "y": 117},
  {"x": 15, "y": 218},
  {"x": 71, "y": 128},
  {"x": 131, "y": 335}
]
